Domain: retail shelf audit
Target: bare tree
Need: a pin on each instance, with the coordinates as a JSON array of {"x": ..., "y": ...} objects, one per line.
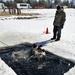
[{"x": 72, "y": 4}]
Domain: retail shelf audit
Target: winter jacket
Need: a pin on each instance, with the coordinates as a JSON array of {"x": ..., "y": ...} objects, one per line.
[{"x": 60, "y": 18}]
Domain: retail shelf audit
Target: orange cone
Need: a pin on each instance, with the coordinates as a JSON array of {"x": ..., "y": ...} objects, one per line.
[{"x": 47, "y": 32}]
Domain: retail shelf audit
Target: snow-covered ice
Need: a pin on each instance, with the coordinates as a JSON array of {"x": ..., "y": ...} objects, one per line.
[{"x": 33, "y": 30}]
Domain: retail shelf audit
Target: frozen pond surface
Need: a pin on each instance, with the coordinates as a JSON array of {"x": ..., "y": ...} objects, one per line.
[{"x": 25, "y": 29}]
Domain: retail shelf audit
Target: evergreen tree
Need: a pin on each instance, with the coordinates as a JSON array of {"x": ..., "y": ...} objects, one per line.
[
  {"x": 33, "y": 3},
  {"x": 28, "y": 1},
  {"x": 42, "y": 2},
  {"x": 1, "y": 1},
  {"x": 48, "y": 4},
  {"x": 66, "y": 2},
  {"x": 25, "y": 1},
  {"x": 57, "y": 2},
  {"x": 18, "y": 1}
]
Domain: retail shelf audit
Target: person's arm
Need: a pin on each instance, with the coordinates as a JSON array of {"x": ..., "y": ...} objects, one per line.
[
  {"x": 63, "y": 19},
  {"x": 54, "y": 18}
]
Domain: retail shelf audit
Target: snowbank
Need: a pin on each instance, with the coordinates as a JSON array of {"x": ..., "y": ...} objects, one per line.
[
  {"x": 5, "y": 69},
  {"x": 71, "y": 72}
]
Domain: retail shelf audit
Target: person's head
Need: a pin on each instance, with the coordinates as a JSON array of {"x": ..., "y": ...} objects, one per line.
[
  {"x": 62, "y": 8},
  {"x": 35, "y": 46},
  {"x": 58, "y": 7}
]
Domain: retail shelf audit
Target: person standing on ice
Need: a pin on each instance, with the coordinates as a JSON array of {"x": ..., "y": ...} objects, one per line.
[{"x": 59, "y": 20}]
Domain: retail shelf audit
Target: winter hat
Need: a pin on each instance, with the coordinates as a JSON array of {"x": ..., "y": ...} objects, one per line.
[
  {"x": 58, "y": 7},
  {"x": 34, "y": 45}
]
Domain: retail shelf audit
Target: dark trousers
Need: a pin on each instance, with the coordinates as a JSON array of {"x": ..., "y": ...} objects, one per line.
[{"x": 57, "y": 32}]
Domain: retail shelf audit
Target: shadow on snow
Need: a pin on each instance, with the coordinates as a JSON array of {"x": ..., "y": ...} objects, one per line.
[{"x": 43, "y": 43}]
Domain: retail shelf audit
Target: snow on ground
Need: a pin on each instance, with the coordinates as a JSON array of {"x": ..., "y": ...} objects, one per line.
[
  {"x": 5, "y": 70},
  {"x": 33, "y": 30},
  {"x": 71, "y": 72}
]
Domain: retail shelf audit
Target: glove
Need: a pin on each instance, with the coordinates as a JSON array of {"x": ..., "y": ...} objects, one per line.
[{"x": 62, "y": 25}]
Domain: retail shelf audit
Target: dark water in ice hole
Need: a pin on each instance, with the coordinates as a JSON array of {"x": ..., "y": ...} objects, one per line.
[{"x": 20, "y": 59}]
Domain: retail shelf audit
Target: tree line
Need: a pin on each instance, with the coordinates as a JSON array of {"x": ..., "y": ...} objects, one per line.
[{"x": 46, "y": 3}]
